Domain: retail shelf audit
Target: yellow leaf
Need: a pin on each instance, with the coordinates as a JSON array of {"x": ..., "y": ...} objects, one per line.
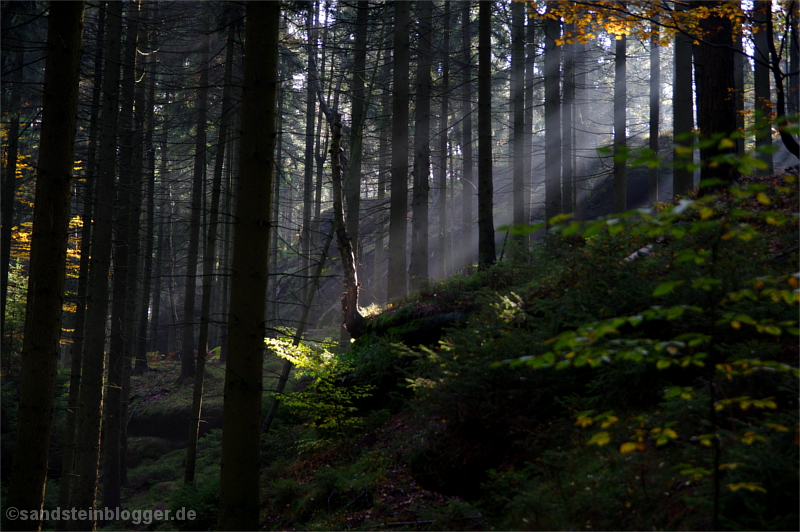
[
  {"x": 762, "y": 198},
  {"x": 627, "y": 447},
  {"x": 725, "y": 144}
]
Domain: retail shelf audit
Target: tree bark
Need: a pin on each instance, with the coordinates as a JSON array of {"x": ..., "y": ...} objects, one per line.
[
  {"x": 762, "y": 93},
  {"x": 444, "y": 236},
  {"x": 567, "y": 109},
  {"x": 208, "y": 268},
  {"x": 398, "y": 210},
  {"x": 187, "y": 339},
  {"x": 41, "y": 344},
  {"x": 467, "y": 181},
  {"x": 552, "y": 119},
  {"x": 716, "y": 110},
  {"x": 239, "y": 501},
  {"x": 418, "y": 264},
  {"x": 518, "y": 117},
  {"x": 620, "y": 126},
  {"x": 655, "y": 112},
  {"x": 682, "y": 120},
  {"x": 486, "y": 246},
  {"x": 90, "y": 400}
]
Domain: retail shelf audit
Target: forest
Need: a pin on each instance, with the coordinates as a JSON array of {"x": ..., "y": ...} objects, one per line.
[{"x": 400, "y": 265}]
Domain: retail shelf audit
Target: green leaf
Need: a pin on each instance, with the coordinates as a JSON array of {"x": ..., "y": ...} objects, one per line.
[{"x": 665, "y": 288}]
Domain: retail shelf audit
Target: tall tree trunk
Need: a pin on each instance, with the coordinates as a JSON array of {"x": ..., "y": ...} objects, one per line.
[
  {"x": 486, "y": 246},
  {"x": 682, "y": 121},
  {"x": 83, "y": 276},
  {"x": 418, "y": 264},
  {"x": 187, "y": 342},
  {"x": 384, "y": 167},
  {"x": 620, "y": 125},
  {"x": 208, "y": 267},
  {"x": 788, "y": 140},
  {"x": 444, "y": 236},
  {"x": 552, "y": 119},
  {"x": 239, "y": 501},
  {"x": 352, "y": 185},
  {"x": 530, "y": 59},
  {"x": 567, "y": 109},
  {"x": 716, "y": 110},
  {"x": 655, "y": 112},
  {"x": 398, "y": 210},
  {"x": 467, "y": 181},
  {"x": 763, "y": 102},
  {"x": 140, "y": 358},
  {"x": 90, "y": 400},
  {"x": 518, "y": 117},
  {"x": 308, "y": 175},
  {"x": 578, "y": 119},
  {"x": 47, "y": 268},
  {"x": 353, "y": 320},
  {"x": 119, "y": 355}
]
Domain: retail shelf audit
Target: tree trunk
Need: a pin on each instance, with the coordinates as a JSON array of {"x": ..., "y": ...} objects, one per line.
[
  {"x": 486, "y": 246},
  {"x": 467, "y": 181},
  {"x": 552, "y": 119},
  {"x": 353, "y": 320},
  {"x": 418, "y": 264},
  {"x": 90, "y": 400},
  {"x": 518, "y": 121},
  {"x": 187, "y": 342},
  {"x": 655, "y": 112},
  {"x": 352, "y": 185},
  {"x": 308, "y": 176},
  {"x": 682, "y": 121},
  {"x": 444, "y": 236},
  {"x": 763, "y": 101},
  {"x": 620, "y": 126},
  {"x": 398, "y": 210},
  {"x": 567, "y": 108},
  {"x": 119, "y": 355},
  {"x": 83, "y": 276},
  {"x": 47, "y": 261},
  {"x": 239, "y": 501},
  {"x": 208, "y": 267},
  {"x": 716, "y": 110}
]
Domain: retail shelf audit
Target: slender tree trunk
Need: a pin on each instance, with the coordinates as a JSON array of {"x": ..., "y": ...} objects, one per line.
[
  {"x": 83, "y": 276},
  {"x": 763, "y": 101},
  {"x": 620, "y": 125},
  {"x": 578, "y": 119},
  {"x": 567, "y": 110},
  {"x": 530, "y": 53},
  {"x": 140, "y": 363},
  {"x": 352, "y": 184},
  {"x": 208, "y": 268},
  {"x": 655, "y": 112},
  {"x": 467, "y": 182},
  {"x": 518, "y": 116},
  {"x": 119, "y": 355},
  {"x": 486, "y": 245},
  {"x": 443, "y": 247},
  {"x": 308, "y": 176},
  {"x": 239, "y": 501},
  {"x": 379, "y": 285},
  {"x": 398, "y": 210},
  {"x": 47, "y": 268},
  {"x": 552, "y": 119},
  {"x": 418, "y": 264},
  {"x": 716, "y": 110},
  {"x": 187, "y": 343},
  {"x": 787, "y": 138},
  {"x": 90, "y": 400},
  {"x": 682, "y": 121}
]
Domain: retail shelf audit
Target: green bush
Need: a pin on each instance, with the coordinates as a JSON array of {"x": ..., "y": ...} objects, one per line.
[{"x": 203, "y": 499}]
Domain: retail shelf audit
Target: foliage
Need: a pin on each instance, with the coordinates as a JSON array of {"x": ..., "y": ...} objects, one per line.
[
  {"x": 326, "y": 401},
  {"x": 203, "y": 498}
]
